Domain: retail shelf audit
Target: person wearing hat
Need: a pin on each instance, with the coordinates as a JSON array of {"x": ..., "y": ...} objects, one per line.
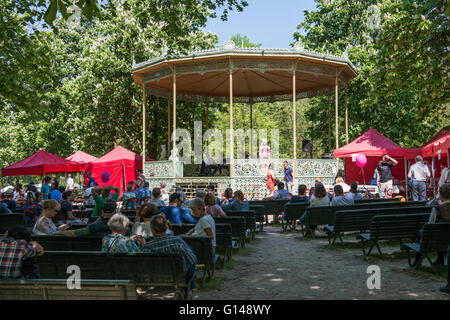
[
  {"x": 8, "y": 200},
  {"x": 420, "y": 174}
]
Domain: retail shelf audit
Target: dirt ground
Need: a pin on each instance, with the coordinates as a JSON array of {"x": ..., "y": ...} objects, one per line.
[{"x": 285, "y": 265}]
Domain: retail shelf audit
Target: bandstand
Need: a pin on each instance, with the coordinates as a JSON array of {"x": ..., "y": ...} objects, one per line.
[{"x": 245, "y": 75}]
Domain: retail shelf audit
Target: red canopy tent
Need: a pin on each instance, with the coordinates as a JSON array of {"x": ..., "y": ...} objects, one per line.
[
  {"x": 121, "y": 163},
  {"x": 41, "y": 163},
  {"x": 437, "y": 151},
  {"x": 373, "y": 145},
  {"x": 82, "y": 158}
]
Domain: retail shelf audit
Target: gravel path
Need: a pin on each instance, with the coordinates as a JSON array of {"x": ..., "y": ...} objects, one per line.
[{"x": 287, "y": 266}]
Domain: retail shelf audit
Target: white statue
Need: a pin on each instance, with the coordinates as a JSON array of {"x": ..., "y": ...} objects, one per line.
[
  {"x": 163, "y": 153},
  {"x": 174, "y": 155}
]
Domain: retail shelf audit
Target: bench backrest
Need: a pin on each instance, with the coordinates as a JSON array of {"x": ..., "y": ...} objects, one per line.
[
  {"x": 62, "y": 243},
  {"x": 293, "y": 211},
  {"x": 376, "y": 200},
  {"x": 224, "y": 237},
  {"x": 270, "y": 206},
  {"x": 360, "y": 220},
  {"x": 325, "y": 214},
  {"x": 237, "y": 224},
  {"x": 435, "y": 237},
  {"x": 9, "y": 220},
  {"x": 56, "y": 289},
  {"x": 182, "y": 228},
  {"x": 202, "y": 248},
  {"x": 249, "y": 216},
  {"x": 142, "y": 268},
  {"x": 259, "y": 212},
  {"x": 398, "y": 226}
]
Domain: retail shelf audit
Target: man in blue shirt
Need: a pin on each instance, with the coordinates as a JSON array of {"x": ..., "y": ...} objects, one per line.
[
  {"x": 288, "y": 176},
  {"x": 45, "y": 189},
  {"x": 174, "y": 213},
  {"x": 340, "y": 199},
  {"x": 280, "y": 194},
  {"x": 9, "y": 202}
]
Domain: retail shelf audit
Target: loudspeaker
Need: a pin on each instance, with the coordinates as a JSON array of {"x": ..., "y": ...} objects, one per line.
[
  {"x": 307, "y": 146},
  {"x": 327, "y": 156}
]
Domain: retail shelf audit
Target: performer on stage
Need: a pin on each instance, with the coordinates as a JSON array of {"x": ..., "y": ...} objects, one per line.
[
  {"x": 264, "y": 150},
  {"x": 271, "y": 180}
]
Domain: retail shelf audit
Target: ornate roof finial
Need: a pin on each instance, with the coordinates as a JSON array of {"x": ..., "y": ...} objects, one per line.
[
  {"x": 229, "y": 44},
  {"x": 164, "y": 49},
  {"x": 298, "y": 46}
]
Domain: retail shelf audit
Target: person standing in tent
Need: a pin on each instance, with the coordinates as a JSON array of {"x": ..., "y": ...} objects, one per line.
[
  {"x": 70, "y": 185},
  {"x": 45, "y": 189},
  {"x": 421, "y": 174},
  {"x": 91, "y": 180},
  {"x": 384, "y": 175}
]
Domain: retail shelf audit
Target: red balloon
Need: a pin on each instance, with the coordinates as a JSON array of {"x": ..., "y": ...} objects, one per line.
[{"x": 361, "y": 160}]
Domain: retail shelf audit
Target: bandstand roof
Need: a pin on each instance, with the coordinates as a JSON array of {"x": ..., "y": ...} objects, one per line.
[{"x": 259, "y": 75}]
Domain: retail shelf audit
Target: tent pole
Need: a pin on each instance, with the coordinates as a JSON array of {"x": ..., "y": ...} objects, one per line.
[
  {"x": 329, "y": 123},
  {"x": 406, "y": 179},
  {"x": 144, "y": 105},
  {"x": 231, "y": 122}
]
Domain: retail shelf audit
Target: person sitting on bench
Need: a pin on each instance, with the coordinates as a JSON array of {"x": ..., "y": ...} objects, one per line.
[
  {"x": 165, "y": 243},
  {"x": 116, "y": 241},
  {"x": 16, "y": 254},
  {"x": 174, "y": 213},
  {"x": 440, "y": 213},
  {"x": 238, "y": 204},
  {"x": 340, "y": 199}
]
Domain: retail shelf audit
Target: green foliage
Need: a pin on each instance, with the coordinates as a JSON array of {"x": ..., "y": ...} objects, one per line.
[
  {"x": 244, "y": 42},
  {"x": 401, "y": 111}
]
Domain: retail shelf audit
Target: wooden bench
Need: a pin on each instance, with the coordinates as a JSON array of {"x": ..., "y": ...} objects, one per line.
[
  {"x": 56, "y": 289},
  {"x": 360, "y": 220},
  {"x": 238, "y": 228},
  {"x": 376, "y": 200},
  {"x": 250, "y": 221},
  {"x": 180, "y": 229},
  {"x": 435, "y": 238},
  {"x": 293, "y": 212},
  {"x": 271, "y": 207},
  {"x": 144, "y": 269},
  {"x": 224, "y": 241},
  {"x": 62, "y": 243},
  {"x": 325, "y": 215},
  {"x": 203, "y": 250},
  {"x": 259, "y": 215},
  {"x": 9, "y": 220},
  {"x": 392, "y": 227}
]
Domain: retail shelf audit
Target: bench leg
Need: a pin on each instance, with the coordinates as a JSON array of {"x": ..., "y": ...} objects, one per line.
[
  {"x": 379, "y": 249},
  {"x": 342, "y": 241},
  {"x": 363, "y": 244}
]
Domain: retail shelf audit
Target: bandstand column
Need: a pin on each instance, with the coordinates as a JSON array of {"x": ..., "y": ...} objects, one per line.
[
  {"x": 251, "y": 128},
  {"x": 144, "y": 104},
  {"x": 294, "y": 113},
  {"x": 174, "y": 115},
  {"x": 329, "y": 123},
  {"x": 168, "y": 128},
  {"x": 231, "y": 151}
]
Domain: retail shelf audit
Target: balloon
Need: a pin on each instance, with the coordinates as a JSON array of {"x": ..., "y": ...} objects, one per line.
[
  {"x": 106, "y": 176},
  {"x": 361, "y": 160}
]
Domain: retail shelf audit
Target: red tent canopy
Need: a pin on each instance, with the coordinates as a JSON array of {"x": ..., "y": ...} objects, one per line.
[
  {"x": 121, "y": 163},
  {"x": 81, "y": 157},
  {"x": 41, "y": 163},
  {"x": 373, "y": 145},
  {"x": 441, "y": 143}
]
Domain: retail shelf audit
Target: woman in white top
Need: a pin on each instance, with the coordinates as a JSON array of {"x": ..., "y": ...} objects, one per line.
[
  {"x": 45, "y": 225},
  {"x": 164, "y": 193},
  {"x": 205, "y": 225},
  {"x": 145, "y": 212},
  {"x": 345, "y": 187}
]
